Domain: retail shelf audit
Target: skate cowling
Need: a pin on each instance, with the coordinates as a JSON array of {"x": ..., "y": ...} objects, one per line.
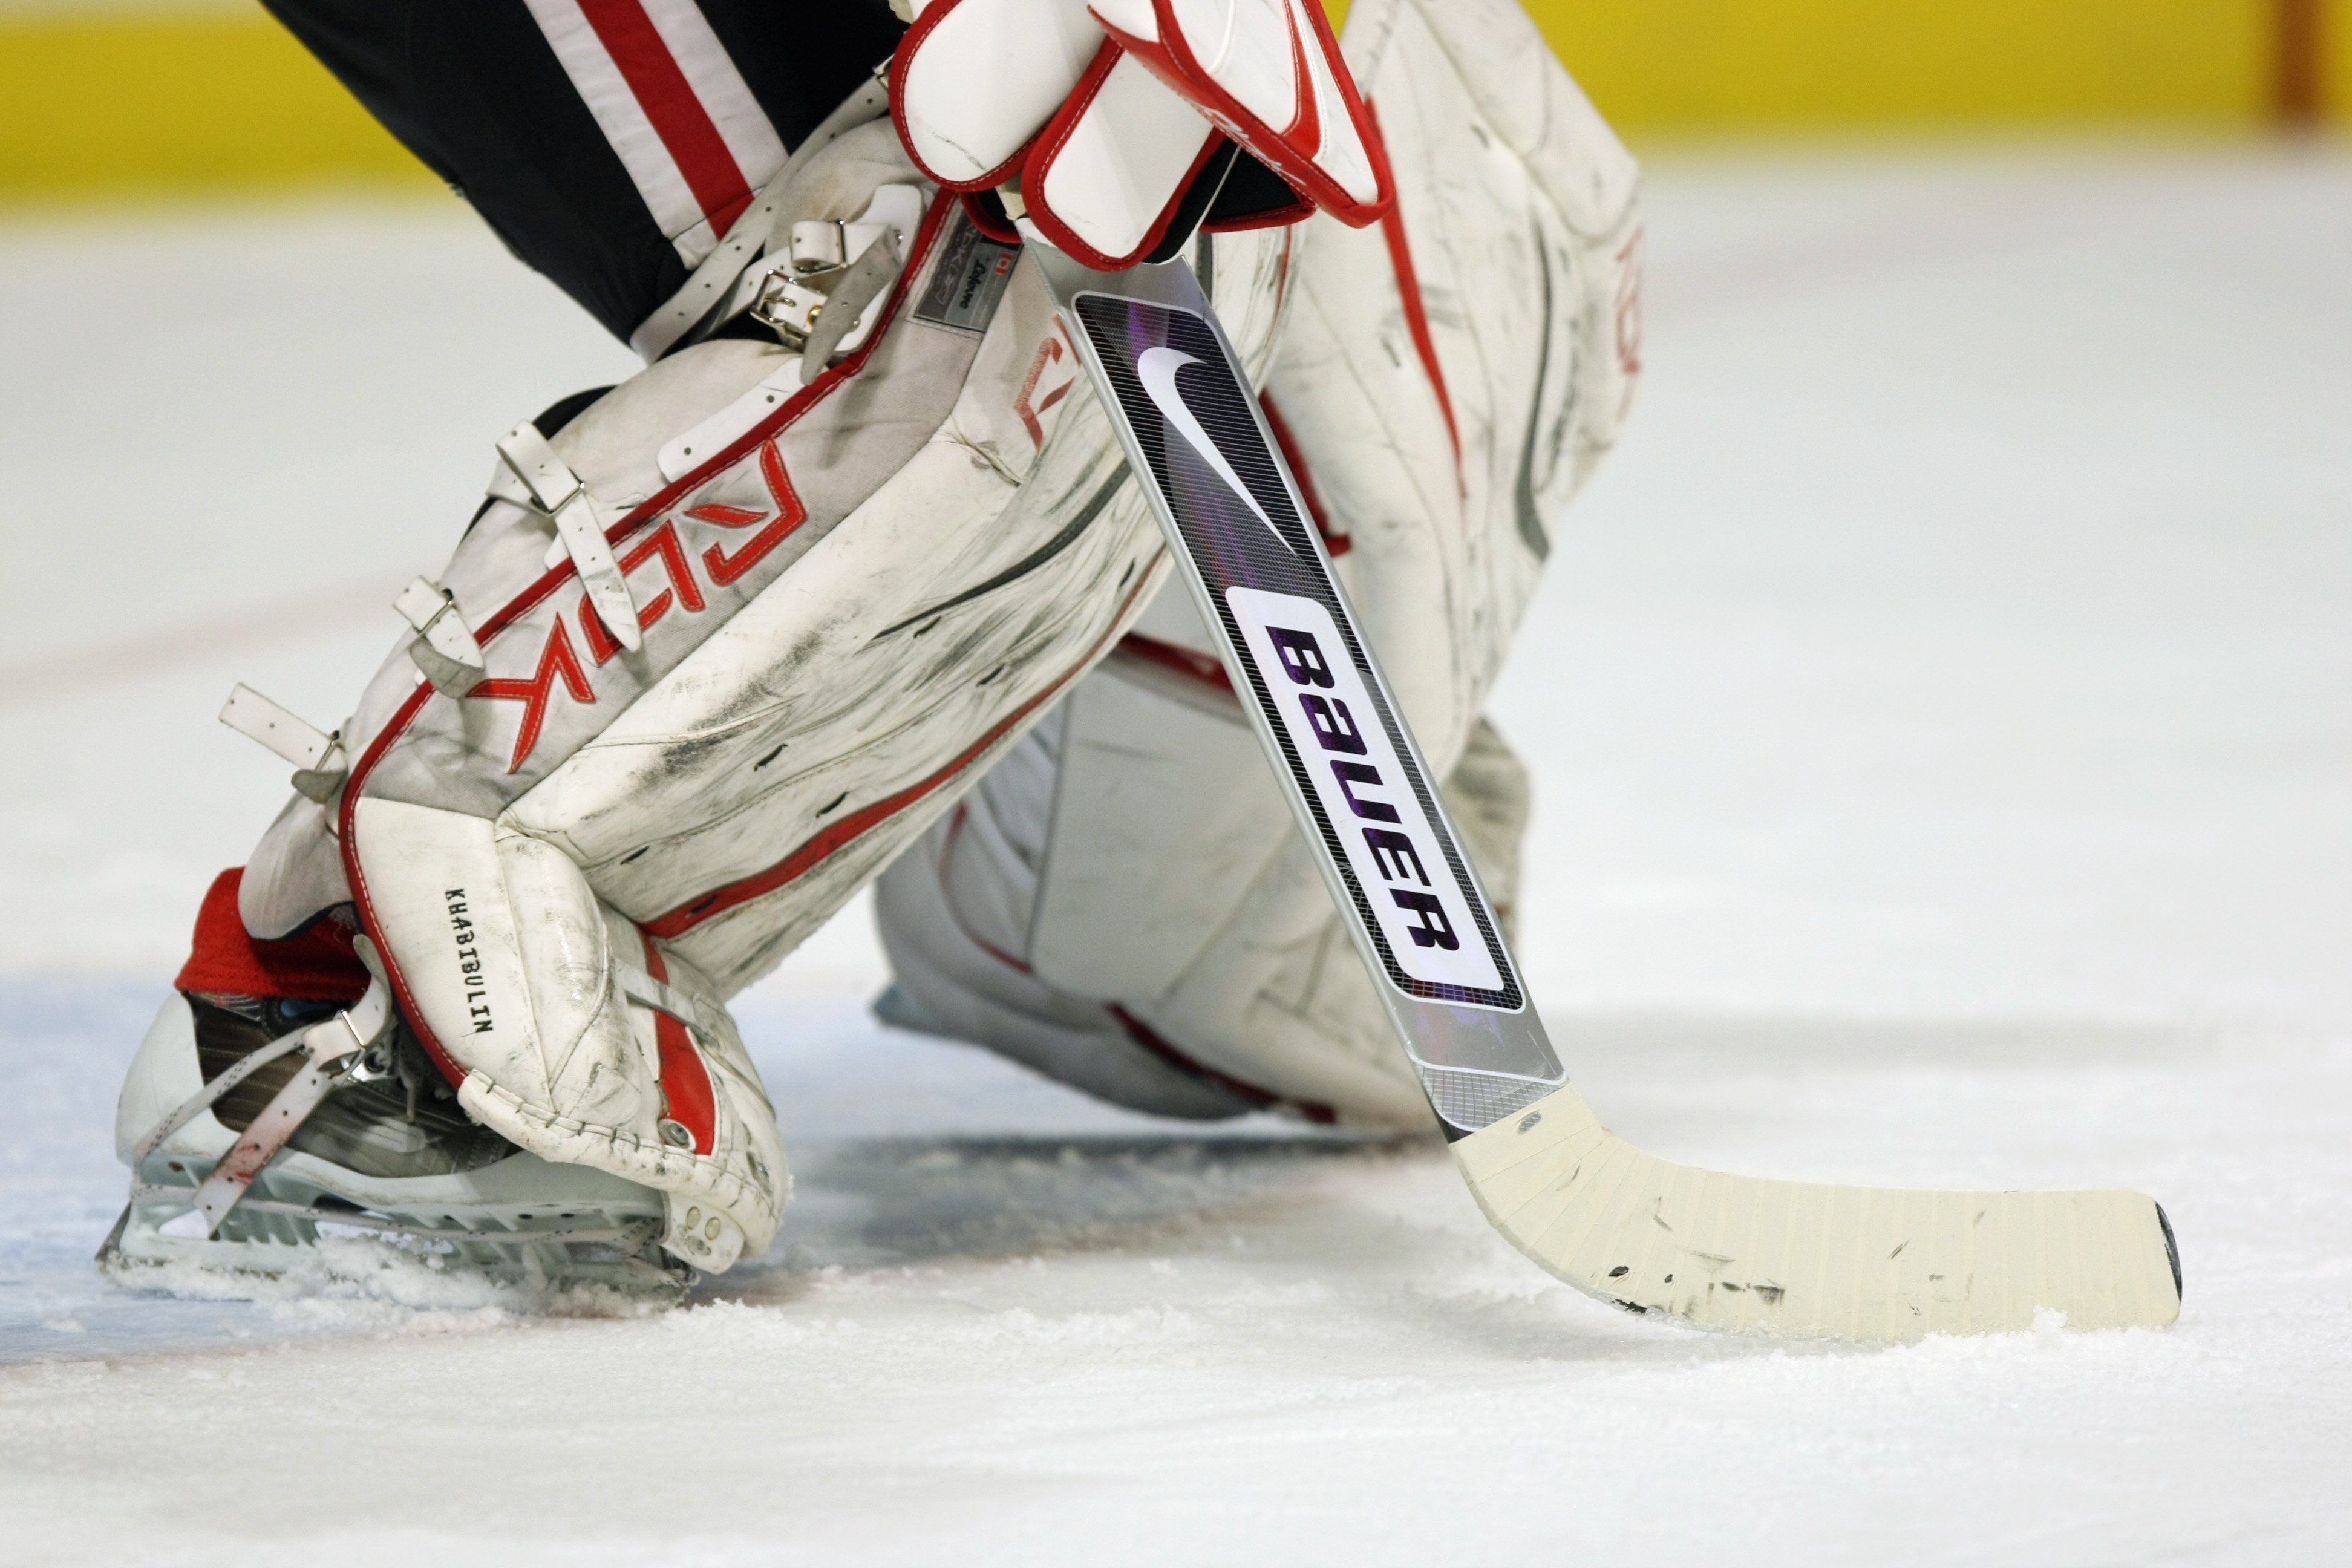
[
  {"x": 487, "y": 1207},
  {"x": 278, "y": 1101}
]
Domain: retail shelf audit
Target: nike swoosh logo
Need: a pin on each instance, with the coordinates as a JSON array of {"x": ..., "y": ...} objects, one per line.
[{"x": 1155, "y": 369}]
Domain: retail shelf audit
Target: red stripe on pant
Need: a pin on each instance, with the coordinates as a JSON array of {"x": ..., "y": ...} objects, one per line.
[{"x": 668, "y": 99}]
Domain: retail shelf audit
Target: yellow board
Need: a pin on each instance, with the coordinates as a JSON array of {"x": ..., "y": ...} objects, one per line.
[
  {"x": 118, "y": 100},
  {"x": 2335, "y": 60},
  {"x": 124, "y": 102},
  {"x": 1746, "y": 64}
]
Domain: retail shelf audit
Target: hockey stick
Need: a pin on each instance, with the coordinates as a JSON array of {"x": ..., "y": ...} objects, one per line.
[{"x": 1727, "y": 1252}]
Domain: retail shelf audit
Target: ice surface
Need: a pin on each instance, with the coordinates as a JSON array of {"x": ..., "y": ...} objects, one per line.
[{"x": 1942, "y": 713}]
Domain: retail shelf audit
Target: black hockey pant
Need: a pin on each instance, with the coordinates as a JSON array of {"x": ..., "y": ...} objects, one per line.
[{"x": 609, "y": 142}]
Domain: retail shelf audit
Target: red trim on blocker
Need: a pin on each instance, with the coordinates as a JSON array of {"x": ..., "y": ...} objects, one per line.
[
  {"x": 991, "y": 223},
  {"x": 688, "y": 1097},
  {"x": 1172, "y": 60},
  {"x": 538, "y": 592},
  {"x": 1298, "y": 211},
  {"x": 1056, "y": 135},
  {"x": 643, "y": 60},
  {"x": 902, "y": 60},
  {"x": 848, "y": 829}
]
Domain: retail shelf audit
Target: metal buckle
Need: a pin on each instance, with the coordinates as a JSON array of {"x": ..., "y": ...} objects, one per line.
[{"x": 788, "y": 307}]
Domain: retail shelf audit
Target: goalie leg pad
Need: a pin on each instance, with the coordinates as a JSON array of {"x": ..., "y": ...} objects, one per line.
[
  {"x": 849, "y": 604},
  {"x": 1046, "y": 920}
]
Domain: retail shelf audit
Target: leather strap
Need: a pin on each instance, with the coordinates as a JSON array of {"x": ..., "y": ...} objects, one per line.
[
  {"x": 330, "y": 1046},
  {"x": 556, "y": 490},
  {"x": 713, "y": 296}
]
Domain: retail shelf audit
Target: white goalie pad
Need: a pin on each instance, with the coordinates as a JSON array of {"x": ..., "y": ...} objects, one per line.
[
  {"x": 1445, "y": 383},
  {"x": 858, "y": 574}
]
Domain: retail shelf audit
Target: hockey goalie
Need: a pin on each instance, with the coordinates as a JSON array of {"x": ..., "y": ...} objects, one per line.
[
  {"x": 853, "y": 581},
  {"x": 1042, "y": 433}
]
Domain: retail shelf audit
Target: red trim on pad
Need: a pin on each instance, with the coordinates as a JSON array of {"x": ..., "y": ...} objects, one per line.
[
  {"x": 1334, "y": 541},
  {"x": 849, "y": 829},
  {"x": 1191, "y": 662},
  {"x": 1416, "y": 316},
  {"x": 1152, "y": 1040},
  {"x": 688, "y": 1097},
  {"x": 643, "y": 60}
]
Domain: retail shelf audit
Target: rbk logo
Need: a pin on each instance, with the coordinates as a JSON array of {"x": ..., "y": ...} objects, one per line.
[
  {"x": 1155, "y": 369},
  {"x": 559, "y": 659}
]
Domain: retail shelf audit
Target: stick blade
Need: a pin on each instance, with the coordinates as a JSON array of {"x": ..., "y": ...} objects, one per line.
[{"x": 1806, "y": 1259}]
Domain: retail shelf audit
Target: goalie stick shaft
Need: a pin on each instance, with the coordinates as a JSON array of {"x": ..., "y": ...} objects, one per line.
[
  {"x": 1346, "y": 758},
  {"x": 1718, "y": 1250}
]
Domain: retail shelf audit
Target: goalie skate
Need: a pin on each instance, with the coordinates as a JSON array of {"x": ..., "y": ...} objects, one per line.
[{"x": 380, "y": 1157}]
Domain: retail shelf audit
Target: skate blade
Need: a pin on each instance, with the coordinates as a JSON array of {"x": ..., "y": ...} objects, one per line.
[{"x": 287, "y": 1236}]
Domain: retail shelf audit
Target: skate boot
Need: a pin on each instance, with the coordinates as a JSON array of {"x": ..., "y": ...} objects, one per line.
[{"x": 256, "y": 1125}]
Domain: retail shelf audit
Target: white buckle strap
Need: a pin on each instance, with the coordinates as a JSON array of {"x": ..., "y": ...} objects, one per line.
[
  {"x": 201, "y": 1100},
  {"x": 716, "y": 291},
  {"x": 850, "y": 314},
  {"x": 817, "y": 298},
  {"x": 445, "y": 648},
  {"x": 320, "y": 765},
  {"x": 817, "y": 295},
  {"x": 504, "y": 486},
  {"x": 788, "y": 306},
  {"x": 684, "y": 453},
  {"x": 556, "y": 490},
  {"x": 256, "y": 718}
]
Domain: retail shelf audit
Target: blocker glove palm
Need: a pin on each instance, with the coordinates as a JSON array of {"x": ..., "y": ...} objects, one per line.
[{"x": 1114, "y": 118}]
